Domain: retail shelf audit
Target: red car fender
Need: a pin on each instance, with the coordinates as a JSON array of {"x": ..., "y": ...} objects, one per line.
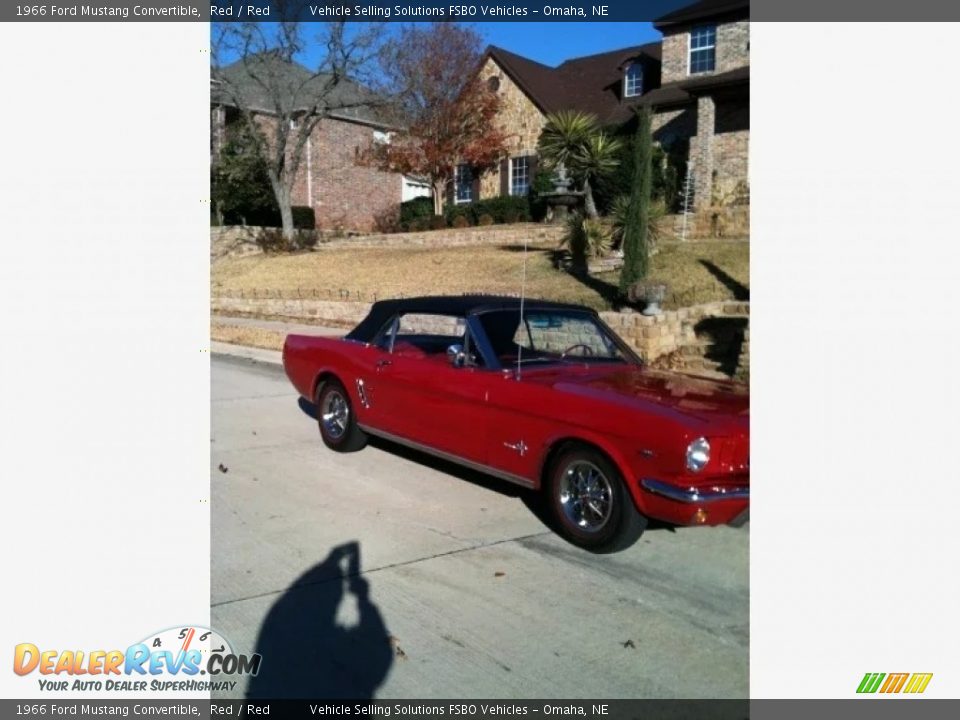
[
  {"x": 608, "y": 447},
  {"x": 349, "y": 382}
]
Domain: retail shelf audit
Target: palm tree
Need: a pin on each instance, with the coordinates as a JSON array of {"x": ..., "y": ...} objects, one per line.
[
  {"x": 563, "y": 135},
  {"x": 573, "y": 140},
  {"x": 598, "y": 156}
]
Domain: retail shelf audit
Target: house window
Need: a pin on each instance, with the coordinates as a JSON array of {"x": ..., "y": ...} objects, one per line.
[
  {"x": 463, "y": 183},
  {"x": 520, "y": 175},
  {"x": 703, "y": 49},
  {"x": 633, "y": 81}
]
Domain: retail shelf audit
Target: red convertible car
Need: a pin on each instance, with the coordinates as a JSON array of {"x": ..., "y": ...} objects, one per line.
[{"x": 541, "y": 394}]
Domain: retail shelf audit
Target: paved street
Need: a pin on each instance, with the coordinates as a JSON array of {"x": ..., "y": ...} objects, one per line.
[{"x": 387, "y": 574}]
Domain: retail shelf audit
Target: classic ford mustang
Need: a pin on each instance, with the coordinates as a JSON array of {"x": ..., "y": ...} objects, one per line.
[{"x": 541, "y": 394}]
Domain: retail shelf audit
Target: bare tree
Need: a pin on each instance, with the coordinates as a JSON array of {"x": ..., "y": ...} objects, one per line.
[{"x": 280, "y": 101}]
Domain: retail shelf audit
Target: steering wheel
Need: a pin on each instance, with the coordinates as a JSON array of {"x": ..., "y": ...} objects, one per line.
[{"x": 589, "y": 350}]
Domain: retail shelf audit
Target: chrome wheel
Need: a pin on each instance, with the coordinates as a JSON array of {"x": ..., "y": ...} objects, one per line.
[
  {"x": 585, "y": 495},
  {"x": 335, "y": 414}
]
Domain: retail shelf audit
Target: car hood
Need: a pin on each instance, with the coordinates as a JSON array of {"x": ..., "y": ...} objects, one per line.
[{"x": 722, "y": 405}]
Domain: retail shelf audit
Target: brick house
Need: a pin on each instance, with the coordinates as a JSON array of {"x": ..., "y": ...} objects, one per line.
[
  {"x": 697, "y": 81},
  {"x": 704, "y": 93},
  {"x": 343, "y": 194}
]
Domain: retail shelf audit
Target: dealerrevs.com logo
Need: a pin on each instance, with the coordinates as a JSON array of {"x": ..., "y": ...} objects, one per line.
[
  {"x": 909, "y": 683},
  {"x": 178, "y": 659}
]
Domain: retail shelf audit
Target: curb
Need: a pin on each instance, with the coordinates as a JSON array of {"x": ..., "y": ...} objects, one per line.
[{"x": 271, "y": 357}]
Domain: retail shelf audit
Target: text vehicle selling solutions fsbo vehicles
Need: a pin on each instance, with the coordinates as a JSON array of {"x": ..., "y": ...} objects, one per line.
[{"x": 541, "y": 394}]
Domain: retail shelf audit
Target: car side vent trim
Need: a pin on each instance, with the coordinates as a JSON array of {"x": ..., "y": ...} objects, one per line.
[{"x": 362, "y": 392}]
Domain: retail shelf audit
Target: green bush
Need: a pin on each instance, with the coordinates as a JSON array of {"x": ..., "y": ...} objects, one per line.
[
  {"x": 452, "y": 212},
  {"x": 668, "y": 168},
  {"x": 438, "y": 222},
  {"x": 508, "y": 208},
  {"x": 240, "y": 189},
  {"x": 240, "y": 185},
  {"x": 304, "y": 217},
  {"x": 421, "y": 207}
]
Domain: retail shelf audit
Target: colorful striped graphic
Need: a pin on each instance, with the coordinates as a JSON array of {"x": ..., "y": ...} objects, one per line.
[{"x": 894, "y": 683}]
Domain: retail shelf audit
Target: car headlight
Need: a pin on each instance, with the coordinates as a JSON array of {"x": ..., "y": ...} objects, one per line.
[{"x": 698, "y": 454}]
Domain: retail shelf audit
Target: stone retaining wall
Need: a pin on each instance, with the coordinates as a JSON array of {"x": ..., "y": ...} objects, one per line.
[
  {"x": 727, "y": 223},
  {"x": 240, "y": 241},
  {"x": 329, "y": 312},
  {"x": 698, "y": 326}
]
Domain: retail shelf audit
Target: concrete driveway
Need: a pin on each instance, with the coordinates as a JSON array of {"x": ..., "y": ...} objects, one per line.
[{"x": 388, "y": 574}]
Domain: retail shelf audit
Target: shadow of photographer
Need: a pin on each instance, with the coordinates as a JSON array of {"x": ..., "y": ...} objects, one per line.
[{"x": 307, "y": 653}]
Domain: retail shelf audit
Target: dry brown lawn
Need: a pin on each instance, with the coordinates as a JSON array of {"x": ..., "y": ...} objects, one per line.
[
  {"x": 695, "y": 271},
  {"x": 247, "y": 335}
]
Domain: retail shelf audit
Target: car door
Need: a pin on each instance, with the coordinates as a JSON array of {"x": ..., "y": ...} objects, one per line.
[
  {"x": 423, "y": 398},
  {"x": 520, "y": 418}
]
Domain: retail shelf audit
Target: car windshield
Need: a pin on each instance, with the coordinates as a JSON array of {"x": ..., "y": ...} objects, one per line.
[{"x": 548, "y": 336}]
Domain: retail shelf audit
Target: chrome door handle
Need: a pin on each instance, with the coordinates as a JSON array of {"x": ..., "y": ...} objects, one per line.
[{"x": 382, "y": 363}]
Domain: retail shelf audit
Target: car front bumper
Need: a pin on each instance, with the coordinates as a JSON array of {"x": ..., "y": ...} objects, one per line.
[
  {"x": 695, "y": 494},
  {"x": 708, "y": 504}
]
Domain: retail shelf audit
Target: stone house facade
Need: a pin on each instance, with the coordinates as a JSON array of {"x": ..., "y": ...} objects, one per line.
[
  {"x": 529, "y": 91},
  {"x": 696, "y": 80},
  {"x": 524, "y": 120},
  {"x": 704, "y": 96},
  {"x": 345, "y": 195}
]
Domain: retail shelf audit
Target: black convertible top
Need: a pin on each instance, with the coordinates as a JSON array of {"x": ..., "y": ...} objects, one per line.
[{"x": 383, "y": 310}]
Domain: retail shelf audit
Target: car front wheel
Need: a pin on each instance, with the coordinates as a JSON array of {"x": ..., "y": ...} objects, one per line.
[
  {"x": 338, "y": 424},
  {"x": 589, "y": 502}
]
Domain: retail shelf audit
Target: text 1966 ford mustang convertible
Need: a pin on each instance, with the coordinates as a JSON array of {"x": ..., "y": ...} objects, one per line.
[{"x": 544, "y": 395}]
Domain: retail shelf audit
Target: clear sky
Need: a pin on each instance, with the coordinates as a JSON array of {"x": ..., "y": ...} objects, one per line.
[{"x": 551, "y": 43}]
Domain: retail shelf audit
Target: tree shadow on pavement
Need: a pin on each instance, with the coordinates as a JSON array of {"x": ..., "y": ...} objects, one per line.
[{"x": 306, "y": 654}]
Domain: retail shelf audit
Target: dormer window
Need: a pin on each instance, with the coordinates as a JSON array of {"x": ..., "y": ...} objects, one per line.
[
  {"x": 703, "y": 49},
  {"x": 633, "y": 80}
]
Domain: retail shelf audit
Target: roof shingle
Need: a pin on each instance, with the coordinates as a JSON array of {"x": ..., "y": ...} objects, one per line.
[
  {"x": 590, "y": 84},
  {"x": 703, "y": 10}
]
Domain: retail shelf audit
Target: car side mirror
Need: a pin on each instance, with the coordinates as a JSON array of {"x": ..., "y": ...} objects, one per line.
[{"x": 456, "y": 355}]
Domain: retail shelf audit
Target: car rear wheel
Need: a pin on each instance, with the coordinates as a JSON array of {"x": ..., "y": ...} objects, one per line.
[
  {"x": 589, "y": 502},
  {"x": 338, "y": 424}
]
